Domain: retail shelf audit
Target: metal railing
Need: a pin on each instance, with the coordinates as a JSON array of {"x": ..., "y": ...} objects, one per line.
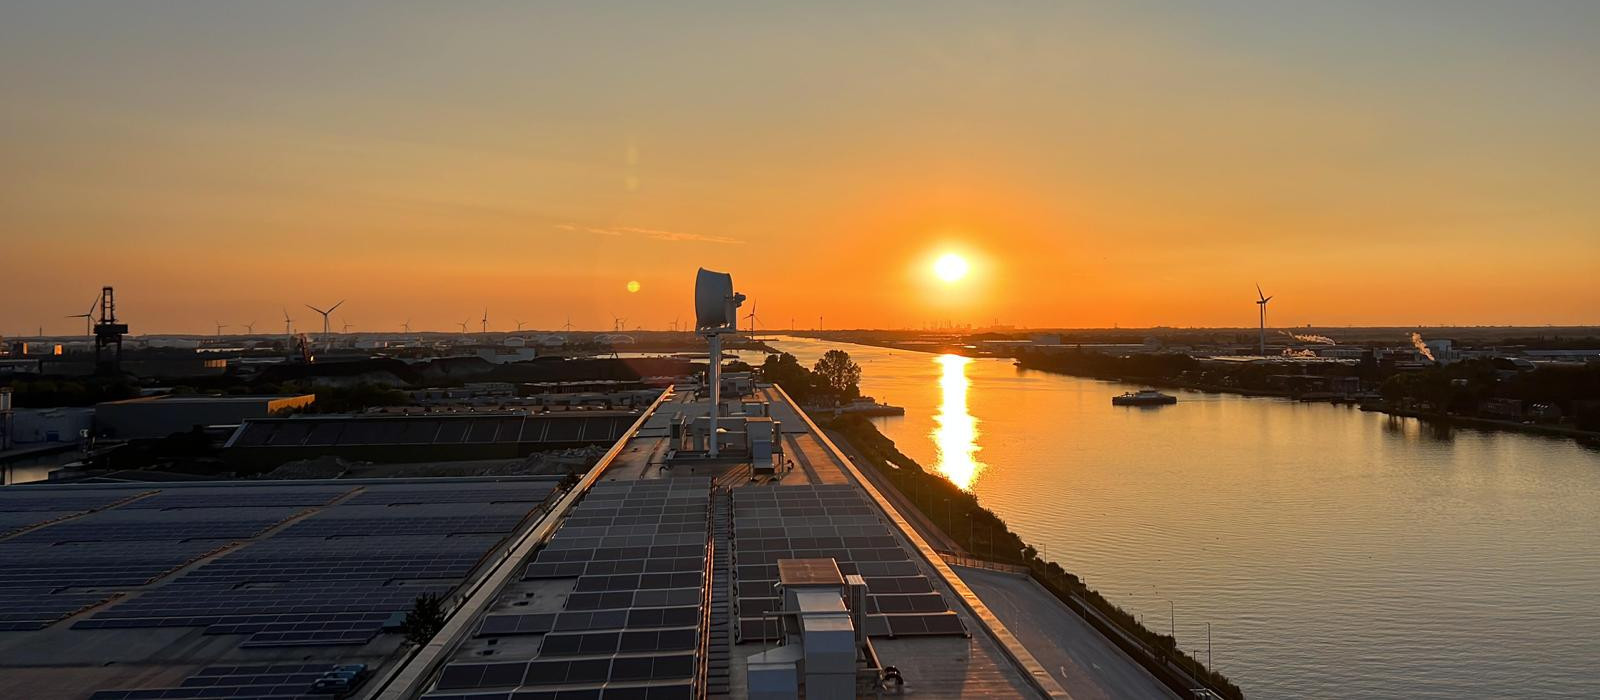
[
  {"x": 703, "y": 647},
  {"x": 954, "y": 559}
]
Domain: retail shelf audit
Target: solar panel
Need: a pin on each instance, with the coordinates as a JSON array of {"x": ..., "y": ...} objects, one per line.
[
  {"x": 630, "y": 623},
  {"x": 836, "y": 522}
]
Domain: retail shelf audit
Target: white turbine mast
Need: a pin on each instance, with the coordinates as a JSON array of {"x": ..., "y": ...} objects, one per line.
[
  {"x": 1261, "y": 304},
  {"x": 327, "y": 327}
]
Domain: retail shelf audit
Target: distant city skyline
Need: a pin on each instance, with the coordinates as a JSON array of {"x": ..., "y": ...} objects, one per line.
[{"x": 1367, "y": 164}]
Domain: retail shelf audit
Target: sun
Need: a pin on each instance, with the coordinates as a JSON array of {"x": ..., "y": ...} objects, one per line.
[
  {"x": 950, "y": 267},
  {"x": 633, "y": 285}
]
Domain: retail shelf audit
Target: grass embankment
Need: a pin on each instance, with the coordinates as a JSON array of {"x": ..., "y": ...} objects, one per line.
[{"x": 984, "y": 534}]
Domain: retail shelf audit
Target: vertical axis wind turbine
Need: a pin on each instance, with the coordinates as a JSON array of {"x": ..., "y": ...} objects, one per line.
[
  {"x": 1261, "y": 303},
  {"x": 326, "y": 326},
  {"x": 716, "y": 311}
]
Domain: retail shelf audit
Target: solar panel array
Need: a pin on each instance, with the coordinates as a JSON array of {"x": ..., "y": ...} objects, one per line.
[
  {"x": 336, "y": 576},
  {"x": 48, "y": 570},
  {"x": 631, "y": 626},
  {"x": 431, "y": 430},
  {"x": 23, "y": 508},
  {"x": 279, "y": 681},
  {"x": 828, "y": 521}
]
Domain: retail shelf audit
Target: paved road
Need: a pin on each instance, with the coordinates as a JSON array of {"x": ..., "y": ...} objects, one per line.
[{"x": 1082, "y": 660}]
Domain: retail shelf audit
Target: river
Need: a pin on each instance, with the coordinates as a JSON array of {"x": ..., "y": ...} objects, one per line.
[{"x": 1331, "y": 552}]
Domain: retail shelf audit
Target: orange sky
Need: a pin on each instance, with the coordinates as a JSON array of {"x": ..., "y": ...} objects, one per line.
[{"x": 1368, "y": 165}]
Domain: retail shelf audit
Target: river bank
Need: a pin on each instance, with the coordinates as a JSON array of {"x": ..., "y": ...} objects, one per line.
[
  {"x": 1367, "y": 403},
  {"x": 987, "y": 542}
]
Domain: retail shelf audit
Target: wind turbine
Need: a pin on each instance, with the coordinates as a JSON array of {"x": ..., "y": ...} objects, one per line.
[
  {"x": 751, "y": 317},
  {"x": 520, "y": 324},
  {"x": 485, "y": 320},
  {"x": 326, "y": 326},
  {"x": 88, "y": 318},
  {"x": 568, "y": 326},
  {"x": 345, "y": 328},
  {"x": 288, "y": 335},
  {"x": 406, "y": 327},
  {"x": 220, "y": 326},
  {"x": 250, "y": 328},
  {"x": 463, "y": 325},
  {"x": 1261, "y": 303}
]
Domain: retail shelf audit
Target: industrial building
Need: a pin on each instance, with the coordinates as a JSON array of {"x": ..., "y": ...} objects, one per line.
[{"x": 160, "y": 416}]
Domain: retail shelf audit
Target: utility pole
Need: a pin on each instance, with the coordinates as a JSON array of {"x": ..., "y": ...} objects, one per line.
[
  {"x": 1208, "y": 645},
  {"x": 1172, "y": 617}
]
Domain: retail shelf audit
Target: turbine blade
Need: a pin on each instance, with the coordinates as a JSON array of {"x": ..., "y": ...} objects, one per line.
[{"x": 335, "y": 306}]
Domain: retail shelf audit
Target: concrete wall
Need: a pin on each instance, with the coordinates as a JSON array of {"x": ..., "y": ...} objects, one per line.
[{"x": 37, "y": 426}]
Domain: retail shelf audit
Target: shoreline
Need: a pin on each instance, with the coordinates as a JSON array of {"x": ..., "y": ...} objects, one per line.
[
  {"x": 1589, "y": 438},
  {"x": 913, "y": 485}
]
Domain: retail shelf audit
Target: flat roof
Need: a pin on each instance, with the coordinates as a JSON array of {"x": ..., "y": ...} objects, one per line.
[
  {"x": 208, "y": 398},
  {"x": 633, "y": 585}
]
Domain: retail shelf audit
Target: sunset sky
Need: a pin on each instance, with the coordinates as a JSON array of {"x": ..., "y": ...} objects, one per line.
[{"x": 1369, "y": 163}]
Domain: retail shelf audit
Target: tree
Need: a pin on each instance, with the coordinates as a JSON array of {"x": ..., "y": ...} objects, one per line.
[
  {"x": 784, "y": 370},
  {"x": 840, "y": 374},
  {"x": 424, "y": 619}
]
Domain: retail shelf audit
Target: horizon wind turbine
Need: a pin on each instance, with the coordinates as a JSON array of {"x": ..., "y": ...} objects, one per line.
[
  {"x": 88, "y": 318},
  {"x": 1261, "y": 303},
  {"x": 327, "y": 327},
  {"x": 220, "y": 326},
  {"x": 406, "y": 327},
  {"x": 752, "y": 318}
]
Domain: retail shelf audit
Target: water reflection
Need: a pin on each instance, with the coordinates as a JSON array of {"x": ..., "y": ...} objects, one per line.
[{"x": 955, "y": 432}]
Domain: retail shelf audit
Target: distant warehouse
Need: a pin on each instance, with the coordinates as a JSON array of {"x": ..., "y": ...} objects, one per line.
[
  {"x": 265, "y": 442},
  {"x": 160, "y": 416}
]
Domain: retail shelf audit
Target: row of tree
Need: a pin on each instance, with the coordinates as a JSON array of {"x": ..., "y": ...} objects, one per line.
[{"x": 833, "y": 380}]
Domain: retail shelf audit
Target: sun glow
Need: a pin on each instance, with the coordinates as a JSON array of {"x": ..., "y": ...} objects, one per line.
[
  {"x": 950, "y": 267},
  {"x": 956, "y": 431}
]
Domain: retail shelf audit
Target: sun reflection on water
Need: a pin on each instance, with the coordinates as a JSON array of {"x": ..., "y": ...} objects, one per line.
[{"x": 955, "y": 431}]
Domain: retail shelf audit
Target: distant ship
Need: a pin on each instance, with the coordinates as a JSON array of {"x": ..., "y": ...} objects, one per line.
[{"x": 1144, "y": 397}]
